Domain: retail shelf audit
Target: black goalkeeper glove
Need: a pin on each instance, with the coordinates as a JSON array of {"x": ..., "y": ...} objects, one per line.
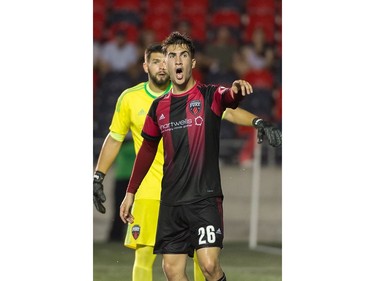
[
  {"x": 99, "y": 196},
  {"x": 272, "y": 133}
]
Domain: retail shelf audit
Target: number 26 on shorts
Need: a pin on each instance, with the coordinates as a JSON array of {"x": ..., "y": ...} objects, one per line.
[{"x": 206, "y": 234}]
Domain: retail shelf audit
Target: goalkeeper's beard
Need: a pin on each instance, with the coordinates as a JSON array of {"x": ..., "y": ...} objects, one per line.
[{"x": 159, "y": 81}]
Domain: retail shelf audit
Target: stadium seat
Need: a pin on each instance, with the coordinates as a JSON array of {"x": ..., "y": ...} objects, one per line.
[
  {"x": 100, "y": 5},
  {"x": 99, "y": 31},
  {"x": 228, "y": 17},
  {"x": 161, "y": 25},
  {"x": 266, "y": 22},
  {"x": 159, "y": 7},
  {"x": 193, "y": 7},
  {"x": 260, "y": 78},
  {"x": 131, "y": 5},
  {"x": 260, "y": 7},
  {"x": 198, "y": 28}
]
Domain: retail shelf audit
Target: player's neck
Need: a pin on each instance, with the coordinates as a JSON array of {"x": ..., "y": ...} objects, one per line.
[{"x": 183, "y": 88}]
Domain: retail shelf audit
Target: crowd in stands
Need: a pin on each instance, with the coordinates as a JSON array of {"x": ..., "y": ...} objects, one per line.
[{"x": 237, "y": 39}]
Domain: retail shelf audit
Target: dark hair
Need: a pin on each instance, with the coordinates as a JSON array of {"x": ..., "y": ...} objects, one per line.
[
  {"x": 176, "y": 38},
  {"x": 153, "y": 48}
]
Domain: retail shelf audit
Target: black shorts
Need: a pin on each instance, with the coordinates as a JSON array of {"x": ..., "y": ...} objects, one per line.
[{"x": 181, "y": 229}]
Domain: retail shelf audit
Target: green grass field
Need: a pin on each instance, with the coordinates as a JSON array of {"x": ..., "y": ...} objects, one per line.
[{"x": 113, "y": 262}]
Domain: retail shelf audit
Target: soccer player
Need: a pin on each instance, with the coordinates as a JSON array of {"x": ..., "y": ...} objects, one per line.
[
  {"x": 130, "y": 113},
  {"x": 188, "y": 119}
]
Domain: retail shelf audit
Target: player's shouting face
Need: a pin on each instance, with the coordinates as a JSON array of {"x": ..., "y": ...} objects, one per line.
[
  {"x": 179, "y": 64},
  {"x": 155, "y": 67}
]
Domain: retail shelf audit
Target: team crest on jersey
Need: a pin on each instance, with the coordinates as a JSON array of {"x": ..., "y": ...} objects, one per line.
[
  {"x": 195, "y": 106},
  {"x": 136, "y": 230}
]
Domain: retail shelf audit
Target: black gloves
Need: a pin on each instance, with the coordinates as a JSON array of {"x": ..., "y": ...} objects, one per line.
[
  {"x": 99, "y": 196},
  {"x": 264, "y": 128}
]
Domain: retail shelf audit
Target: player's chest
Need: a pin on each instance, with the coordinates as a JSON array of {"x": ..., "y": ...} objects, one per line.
[{"x": 186, "y": 113}]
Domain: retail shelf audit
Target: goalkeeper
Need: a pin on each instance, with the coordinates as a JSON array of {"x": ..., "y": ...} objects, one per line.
[{"x": 130, "y": 113}]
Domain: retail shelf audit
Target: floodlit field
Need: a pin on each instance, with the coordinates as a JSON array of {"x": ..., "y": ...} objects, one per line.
[{"x": 113, "y": 262}]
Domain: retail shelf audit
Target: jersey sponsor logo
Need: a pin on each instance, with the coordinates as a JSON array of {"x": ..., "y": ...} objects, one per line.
[
  {"x": 195, "y": 106},
  {"x": 198, "y": 121},
  {"x": 175, "y": 125},
  {"x": 136, "y": 230}
]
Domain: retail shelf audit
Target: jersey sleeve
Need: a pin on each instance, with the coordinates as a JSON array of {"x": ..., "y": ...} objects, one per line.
[
  {"x": 121, "y": 117},
  {"x": 222, "y": 98},
  {"x": 228, "y": 98},
  {"x": 151, "y": 129}
]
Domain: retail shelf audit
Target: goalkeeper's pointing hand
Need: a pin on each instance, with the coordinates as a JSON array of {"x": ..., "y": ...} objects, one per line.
[
  {"x": 99, "y": 196},
  {"x": 272, "y": 133}
]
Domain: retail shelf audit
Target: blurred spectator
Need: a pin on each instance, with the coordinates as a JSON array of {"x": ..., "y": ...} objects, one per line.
[
  {"x": 257, "y": 55},
  {"x": 118, "y": 55},
  {"x": 220, "y": 52}
]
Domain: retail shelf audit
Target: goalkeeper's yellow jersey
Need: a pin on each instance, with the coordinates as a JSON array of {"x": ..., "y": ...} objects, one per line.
[{"x": 130, "y": 114}]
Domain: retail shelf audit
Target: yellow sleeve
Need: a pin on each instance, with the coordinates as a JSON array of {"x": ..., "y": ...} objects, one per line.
[{"x": 121, "y": 118}]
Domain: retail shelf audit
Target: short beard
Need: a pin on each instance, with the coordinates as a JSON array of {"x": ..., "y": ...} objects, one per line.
[{"x": 159, "y": 82}]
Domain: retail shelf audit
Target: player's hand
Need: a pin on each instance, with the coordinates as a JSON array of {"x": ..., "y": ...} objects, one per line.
[
  {"x": 125, "y": 208},
  {"x": 242, "y": 86},
  {"x": 99, "y": 196},
  {"x": 272, "y": 133}
]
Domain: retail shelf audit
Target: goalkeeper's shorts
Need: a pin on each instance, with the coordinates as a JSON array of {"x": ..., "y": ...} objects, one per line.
[{"x": 143, "y": 230}]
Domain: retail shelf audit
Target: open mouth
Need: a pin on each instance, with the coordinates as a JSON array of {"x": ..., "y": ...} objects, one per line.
[{"x": 179, "y": 72}]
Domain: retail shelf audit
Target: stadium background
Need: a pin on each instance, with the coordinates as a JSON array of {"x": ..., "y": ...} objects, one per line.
[{"x": 202, "y": 19}]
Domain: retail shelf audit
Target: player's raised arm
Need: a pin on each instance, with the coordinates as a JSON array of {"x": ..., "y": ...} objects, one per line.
[
  {"x": 239, "y": 116},
  {"x": 243, "y": 117}
]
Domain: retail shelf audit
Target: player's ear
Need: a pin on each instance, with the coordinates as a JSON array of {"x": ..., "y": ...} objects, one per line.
[
  {"x": 193, "y": 62},
  {"x": 145, "y": 67}
]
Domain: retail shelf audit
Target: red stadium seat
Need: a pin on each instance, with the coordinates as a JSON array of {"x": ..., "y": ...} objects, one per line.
[
  {"x": 131, "y": 5},
  {"x": 193, "y": 7},
  {"x": 100, "y": 4},
  {"x": 259, "y": 78},
  {"x": 99, "y": 17},
  {"x": 226, "y": 17},
  {"x": 99, "y": 31},
  {"x": 260, "y": 7},
  {"x": 161, "y": 25},
  {"x": 198, "y": 28},
  {"x": 160, "y": 7},
  {"x": 266, "y": 22}
]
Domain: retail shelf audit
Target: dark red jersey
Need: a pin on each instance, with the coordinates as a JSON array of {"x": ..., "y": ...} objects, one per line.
[{"x": 189, "y": 124}]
